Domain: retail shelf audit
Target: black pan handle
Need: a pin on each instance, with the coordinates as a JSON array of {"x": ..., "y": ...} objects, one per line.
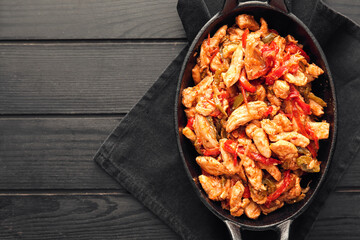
[
  {"x": 283, "y": 230},
  {"x": 235, "y": 231},
  {"x": 229, "y": 5}
]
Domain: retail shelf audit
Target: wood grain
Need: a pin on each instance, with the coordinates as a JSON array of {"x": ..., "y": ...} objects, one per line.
[
  {"x": 53, "y": 153},
  {"x": 91, "y": 19},
  {"x": 119, "y": 216},
  {"x": 77, "y": 216},
  {"x": 57, "y": 153},
  {"x": 53, "y": 78}
]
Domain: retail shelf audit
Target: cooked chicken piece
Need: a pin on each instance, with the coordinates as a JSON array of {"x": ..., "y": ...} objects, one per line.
[
  {"x": 258, "y": 196},
  {"x": 281, "y": 44},
  {"x": 228, "y": 50},
  {"x": 252, "y": 210},
  {"x": 260, "y": 93},
  {"x": 294, "y": 137},
  {"x": 231, "y": 76},
  {"x": 272, "y": 169},
  {"x": 246, "y": 21},
  {"x": 205, "y": 131},
  {"x": 188, "y": 97},
  {"x": 287, "y": 153},
  {"x": 247, "y": 144},
  {"x": 291, "y": 39},
  {"x": 204, "y": 107},
  {"x": 196, "y": 75},
  {"x": 270, "y": 127},
  {"x": 189, "y": 134},
  {"x": 255, "y": 65},
  {"x": 190, "y": 94},
  {"x": 282, "y": 121},
  {"x": 281, "y": 89},
  {"x": 237, "y": 204},
  {"x": 316, "y": 108},
  {"x": 312, "y": 71},
  {"x": 259, "y": 137},
  {"x": 321, "y": 129},
  {"x": 273, "y": 99},
  {"x": 211, "y": 165},
  {"x": 209, "y": 45},
  {"x": 253, "y": 172},
  {"x": 273, "y": 206},
  {"x": 218, "y": 64},
  {"x": 250, "y": 128},
  {"x": 241, "y": 115},
  {"x": 215, "y": 187},
  {"x": 298, "y": 78},
  {"x": 263, "y": 31},
  {"x": 228, "y": 162},
  {"x": 284, "y": 150},
  {"x": 235, "y": 34},
  {"x": 295, "y": 191},
  {"x": 261, "y": 142},
  {"x": 190, "y": 112}
]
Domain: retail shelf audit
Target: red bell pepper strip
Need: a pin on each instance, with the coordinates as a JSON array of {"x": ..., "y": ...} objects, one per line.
[
  {"x": 244, "y": 82},
  {"x": 214, "y": 152},
  {"x": 246, "y": 193},
  {"x": 275, "y": 74},
  {"x": 190, "y": 123},
  {"x": 293, "y": 48},
  {"x": 231, "y": 149},
  {"x": 244, "y": 37},
  {"x": 280, "y": 190},
  {"x": 268, "y": 111},
  {"x": 296, "y": 116},
  {"x": 228, "y": 146},
  {"x": 311, "y": 132},
  {"x": 260, "y": 158},
  {"x": 312, "y": 150},
  {"x": 295, "y": 95}
]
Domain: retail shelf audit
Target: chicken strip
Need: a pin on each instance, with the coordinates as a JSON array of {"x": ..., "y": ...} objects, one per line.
[
  {"x": 247, "y": 21},
  {"x": 209, "y": 45},
  {"x": 232, "y": 75},
  {"x": 211, "y": 165},
  {"x": 215, "y": 188},
  {"x": 237, "y": 204},
  {"x": 241, "y": 115},
  {"x": 321, "y": 129},
  {"x": 252, "y": 210},
  {"x": 253, "y": 172},
  {"x": 294, "y": 137},
  {"x": 205, "y": 131}
]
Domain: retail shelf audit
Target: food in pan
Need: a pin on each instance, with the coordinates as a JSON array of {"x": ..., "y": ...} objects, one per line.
[{"x": 253, "y": 118}]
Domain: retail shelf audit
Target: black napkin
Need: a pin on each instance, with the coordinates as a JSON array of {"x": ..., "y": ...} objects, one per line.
[{"x": 142, "y": 155}]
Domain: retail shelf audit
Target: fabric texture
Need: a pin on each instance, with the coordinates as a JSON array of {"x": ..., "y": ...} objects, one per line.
[{"x": 155, "y": 173}]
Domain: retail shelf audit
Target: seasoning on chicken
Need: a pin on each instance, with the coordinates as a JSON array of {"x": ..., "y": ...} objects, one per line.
[{"x": 253, "y": 118}]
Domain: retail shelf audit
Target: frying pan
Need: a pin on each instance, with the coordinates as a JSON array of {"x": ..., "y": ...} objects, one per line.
[{"x": 279, "y": 18}]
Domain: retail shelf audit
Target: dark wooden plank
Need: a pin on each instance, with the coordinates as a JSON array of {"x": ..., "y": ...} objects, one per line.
[
  {"x": 76, "y": 216},
  {"x": 120, "y": 216},
  {"x": 57, "y": 153},
  {"x": 350, "y": 8},
  {"x": 79, "y": 78},
  {"x": 339, "y": 219},
  {"x": 53, "y": 153},
  {"x": 95, "y": 19}
]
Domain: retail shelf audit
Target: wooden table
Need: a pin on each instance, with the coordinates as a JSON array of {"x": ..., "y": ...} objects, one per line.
[{"x": 70, "y": 70}]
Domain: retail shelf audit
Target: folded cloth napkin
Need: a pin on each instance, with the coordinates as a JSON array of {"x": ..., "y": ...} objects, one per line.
[{"x": 142, "y": 155}]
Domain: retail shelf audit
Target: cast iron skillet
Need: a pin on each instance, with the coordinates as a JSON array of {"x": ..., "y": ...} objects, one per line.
[{"x": 277, "y": 16}]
